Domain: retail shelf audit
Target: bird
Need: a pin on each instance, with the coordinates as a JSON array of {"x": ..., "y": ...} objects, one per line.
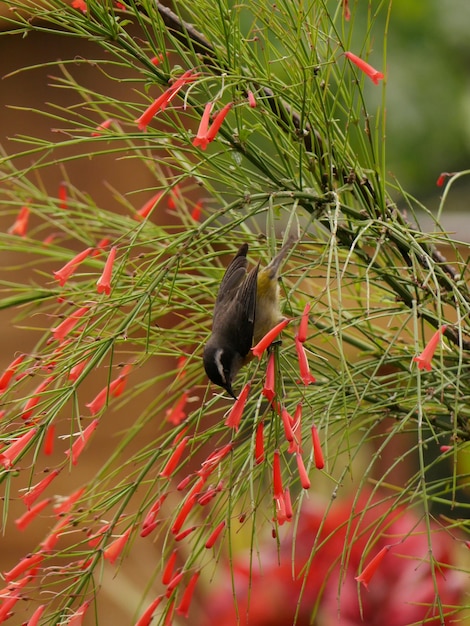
[{"x": 246, "y": 308}]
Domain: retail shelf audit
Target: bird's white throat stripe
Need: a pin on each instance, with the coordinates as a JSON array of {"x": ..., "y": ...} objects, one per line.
[{"x": 218, "y": 362}]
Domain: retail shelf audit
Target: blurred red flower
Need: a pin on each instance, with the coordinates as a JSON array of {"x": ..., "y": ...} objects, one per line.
[{"x": 269, "y": 590}]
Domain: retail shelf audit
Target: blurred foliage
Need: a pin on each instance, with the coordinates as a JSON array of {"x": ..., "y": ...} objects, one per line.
[
  {"x": 428, "y": 99},
  {"x": 312, "y": 153}
]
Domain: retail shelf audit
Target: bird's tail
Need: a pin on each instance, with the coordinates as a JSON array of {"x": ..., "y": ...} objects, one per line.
[{"x": 273, "y": 266}]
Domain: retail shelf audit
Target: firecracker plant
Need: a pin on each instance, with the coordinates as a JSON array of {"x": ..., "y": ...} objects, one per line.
[{"x": 251, "y": 120}]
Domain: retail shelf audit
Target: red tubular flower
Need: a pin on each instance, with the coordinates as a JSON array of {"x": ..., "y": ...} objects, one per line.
[
  {"x": 15, "y": 586},
  {"x": 10, "y": 371},
  {"x": 204, "y": 134},
  {"x": 25, "y": 565},
  {"x": 213, "y": 460},
  {"x": 146, "y": 617},
  {"x": 149, "y": 524},
  {"x": 197, "y": 487},
  {"x": 181, "y": 486},
  {"x": 62, "y": 195},
  {"x": 100, "y": 246},
  {"x": 31, "y": 403},
  {"x": 177, "y": 414},
  {"x": 50, "y": 238},
  {"x": 278, "y": 489},
  {"x": 188, "y": 77},
  {"x": 161, "y": 102},
  {"x": 197, "y": 211},
  {"x": 174, "y": 194},
  {"x": 53, "y": 537},
  {"x": 270, "y": 379},
  {"x": 218, "y": 121},
  {"x": 147, "y": 116},
  {"x": 184, "y": 533},
  {"x": 77, "y": 618},
  {"x": 101, "y": 127},
  {"x": 7, "y": 606},
  {"x": 115, "y": 389},
  {"x": 288, "y": 505},
  {"x": 80, "y": 5},
  {"x": 346, "y": 10},
  {"x": 366, "y": 575},
  {"x": 174, "y": 582},
  {"x": 317, "y": 451},
  {"x": 169, "y": 567},
  {"x": 287, "y": 423},
  {"x": 174, "y": 459},
  {"x": 84, "y": 564},
  {"x": 21, "y": 223},
  {"x": 303, "y": 327},
  {"x": 209, "y": 495},
  {"x": 36, "y": 616},
  {"x": 370, "y": 71},
  {"x": 445, "y": 449},
  {"x": 115, "y": 548},
  {"x": 269, "y": 337},
  {"x": 9, "y": 455},
  {"x": 281, "y": 514},
  {"x": 251, "y": 99},
  {"x": 95, "y": 539},
  {"x": 66, "y": 505},
  {"x": 215, "y": 534},
  {"x": 183, "y": 513},
  {"x": 156, "y": 506},
  {"x": 304, "y": 479},
  {"x": 442, "y": 178},
  {"x": 49, "y": 440},
  {"x": 201, "y": 136},
  {"x": 81, "y": 441},
  {"x": 33, "y": 494},
  {"x": 183, "y": 608},
  {"x": 118, "y": 385},
  {"x": 181, "y": 365},
  {"x": 236, "y": 412},
  {"x": 259, "y": 443},
  {"x": 156, "y": 60},
  {"x": 180, "y": 435},
  {"x": 308, "y": 581},
  {"x": 148, "y": 207},
  {"x": 424, "y": 359},
  {"x": 77, "y": 370},
  {"x": 295, "y": 445},
  {"x": 103, "y": 284},
  {"x": 69, "y": 268},
  {"x": 304, "y": 367},
  {"x": 25, "y": 519},
  {"x": 61, "y": 331}
]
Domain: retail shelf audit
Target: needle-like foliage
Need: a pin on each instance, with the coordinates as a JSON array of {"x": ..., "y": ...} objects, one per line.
[{"x": 250, "y": 122}]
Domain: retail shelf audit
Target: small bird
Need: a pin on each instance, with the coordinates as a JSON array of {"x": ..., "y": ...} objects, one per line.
[{"x": 246, "y": 308}]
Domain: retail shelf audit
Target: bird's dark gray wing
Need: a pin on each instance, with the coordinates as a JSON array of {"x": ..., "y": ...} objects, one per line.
[
  {"x": 234, "y": 276},
  {"x": 235, "y": 306},
  {"x": 234, "y": 319}
]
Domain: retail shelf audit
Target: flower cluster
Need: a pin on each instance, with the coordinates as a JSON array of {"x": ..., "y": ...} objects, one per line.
[
  {"x": 372, "y": 541},
  {"x": 292, "y": 425}
]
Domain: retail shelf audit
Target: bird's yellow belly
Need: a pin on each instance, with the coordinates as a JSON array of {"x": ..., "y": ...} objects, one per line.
[{"x": 268, "y": 312}]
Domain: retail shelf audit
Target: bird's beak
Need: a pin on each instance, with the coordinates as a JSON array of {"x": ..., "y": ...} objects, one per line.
[{"x": 229, "y": 390}]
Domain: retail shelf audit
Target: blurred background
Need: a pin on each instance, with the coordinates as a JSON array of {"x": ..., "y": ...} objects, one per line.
[{"x": 428, "y": 121}]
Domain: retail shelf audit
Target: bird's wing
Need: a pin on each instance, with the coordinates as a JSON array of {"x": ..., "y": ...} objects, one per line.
[
  {"x": 233, "y": 278},
  {"x": 235, "y": 307}
]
